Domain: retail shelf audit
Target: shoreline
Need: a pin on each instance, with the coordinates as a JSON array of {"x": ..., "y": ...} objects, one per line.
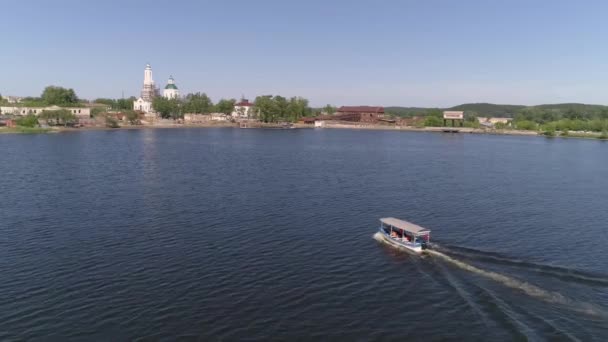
[{"x": 461, "y": 130}]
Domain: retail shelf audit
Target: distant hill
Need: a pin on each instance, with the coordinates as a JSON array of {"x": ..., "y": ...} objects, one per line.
[
  {"x": 581, "y": 107},
  {"x": 494, "y": 110},
  {"x": 489, "y": 109}
]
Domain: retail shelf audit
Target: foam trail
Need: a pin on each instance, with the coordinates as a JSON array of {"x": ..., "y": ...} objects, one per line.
[
  {"x": 529, "y": 289},
  {"x": 554, "y": 271}
]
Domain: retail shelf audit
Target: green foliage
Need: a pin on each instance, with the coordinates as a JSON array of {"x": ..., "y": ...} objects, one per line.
[
  {"x": 198, "y": 103},
  {"x": 472, "y": 124},
  {"x": 29, "y": 120},
  {"x": 277, "y": 108},
  {"x": 132, "y": 116},
  {"x": 329, "y": 109},
  {"x": 488, "y": 109},
  {"x": 549, "y": 130},
  {"x": 96, "y": 111},
  {"x": 433, "y": 121},
  {"x": 525, "y": 125},
  {"x": 225, "y": 106},
  {"x": 167, "y": 108},
  {"x": 58, "y": 117},
  {"x": 470, "y": 116},
  {"x": 111, "y": 122},
  {"x": 437, "y": 113},
  {"x": 501, "y": 125},
  {"x": 117, "y": 104},
  {"x": 604, "y": 135},
  {"x": 53, "y": 95},
  {"x": 565, "y": 133}
]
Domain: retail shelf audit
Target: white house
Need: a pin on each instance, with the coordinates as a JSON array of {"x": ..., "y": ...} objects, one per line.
[
  {"x": 79, "y": 112},
  {"x": 242, "y": 110}
]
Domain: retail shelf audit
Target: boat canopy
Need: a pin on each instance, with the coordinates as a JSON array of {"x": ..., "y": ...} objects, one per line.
[{"x": 404, "y": 225}]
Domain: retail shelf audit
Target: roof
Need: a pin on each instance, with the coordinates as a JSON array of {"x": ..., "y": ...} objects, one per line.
[
  {"x": 404, "y": 225},
  {"x": 244, "y": 103},
  {"x": 361, "y": 109},
  {"x": 171, "y": 86}
]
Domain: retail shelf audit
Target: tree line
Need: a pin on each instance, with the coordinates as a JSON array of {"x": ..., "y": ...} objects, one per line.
[
  {"x": 277, "y": 108},
  {"x": 195, "y": 103},
  {"x": 53, "y": 96},
  {"x": 267, "y": 108}
]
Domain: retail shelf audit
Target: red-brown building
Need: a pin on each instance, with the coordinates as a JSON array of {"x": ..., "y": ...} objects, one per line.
[{"x": 359, "y": 113}]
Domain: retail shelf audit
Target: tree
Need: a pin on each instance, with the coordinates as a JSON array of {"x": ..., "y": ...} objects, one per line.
[
  {"x": 265, "y": 106},
  {"x": 225, "y": 106},
  {"x": 111, "y": 122},
  {"x": 59, "y": 96},
  {"x": 167, "y": 108},
  {"x": 29, "y": 120},
  {"x": 470, "y": 116},
  {"x": 433, "y": 121},
  {"x": 58, "y": 117},
  {"x": 277, "y": 108},
  {"x": 198, "y": 103},
  {"x": 95, "y": 111},
  {"x": 297, "y": 108},
  {"x": 132, "y": 116},
  {"x": 525, "y": 125},
  {"x": 329, "y": 109}
]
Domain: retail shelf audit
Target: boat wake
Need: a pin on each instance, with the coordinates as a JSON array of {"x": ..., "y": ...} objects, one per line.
[
  {"x": 527, "y": 288},
  {"x": 554, "y": 271}
]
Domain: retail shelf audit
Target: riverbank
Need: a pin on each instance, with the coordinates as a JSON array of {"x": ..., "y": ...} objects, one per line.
[
  {"x": 423, "y": 129},
  {"x": 327, "y": 125},
  {"x": 26, "y": 130}
]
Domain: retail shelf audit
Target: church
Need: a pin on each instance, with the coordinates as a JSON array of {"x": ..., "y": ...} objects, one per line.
[{"x": 150, "y": 91}]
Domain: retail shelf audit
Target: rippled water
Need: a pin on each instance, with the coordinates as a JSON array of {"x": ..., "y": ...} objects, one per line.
[{"x": 267, "y": 234}]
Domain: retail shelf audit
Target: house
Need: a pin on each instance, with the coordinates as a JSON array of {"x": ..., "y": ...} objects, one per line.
[
  {"x": 242, "y": 110},
  {"x": 359, "y": 113},
  {"x": 490, "y": 122},
  {"x": 194, "y": 118},
  {"x": 13, "y": 99},
  {"x": 79, "y": 112},
  {"x": 219, "y": 117}
]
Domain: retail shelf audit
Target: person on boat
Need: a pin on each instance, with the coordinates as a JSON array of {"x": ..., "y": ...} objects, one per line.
[{"x": 393, "y": 234}]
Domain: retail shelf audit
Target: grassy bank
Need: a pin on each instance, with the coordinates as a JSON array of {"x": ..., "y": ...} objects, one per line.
[{"x": 25, "y": 130}]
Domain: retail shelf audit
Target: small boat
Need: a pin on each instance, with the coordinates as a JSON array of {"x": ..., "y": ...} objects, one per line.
[{"x": 404, "y": 234}]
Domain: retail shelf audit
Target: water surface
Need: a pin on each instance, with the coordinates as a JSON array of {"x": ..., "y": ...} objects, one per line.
[{"x": 243, "y": 233}]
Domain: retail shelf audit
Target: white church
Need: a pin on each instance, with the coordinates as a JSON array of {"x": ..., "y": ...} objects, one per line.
[{"x": 150, "y": 91}]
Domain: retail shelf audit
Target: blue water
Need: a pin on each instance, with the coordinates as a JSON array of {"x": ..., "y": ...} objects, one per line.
[{"x": 267, "y": 234}]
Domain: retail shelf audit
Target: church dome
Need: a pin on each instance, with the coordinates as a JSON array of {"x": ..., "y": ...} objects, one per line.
[{"x": 171, "y": 84}]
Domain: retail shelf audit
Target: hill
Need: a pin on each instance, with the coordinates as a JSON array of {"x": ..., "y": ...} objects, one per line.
[
  {"x": 497, "y": 110},
  {"x": 489, "y": 109}
]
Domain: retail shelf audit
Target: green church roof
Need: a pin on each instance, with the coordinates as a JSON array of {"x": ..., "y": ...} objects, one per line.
[{"x": 171, "y": 86}]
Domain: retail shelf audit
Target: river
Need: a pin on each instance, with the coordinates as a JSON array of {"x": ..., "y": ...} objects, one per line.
[{"x": 233, "y": 234}]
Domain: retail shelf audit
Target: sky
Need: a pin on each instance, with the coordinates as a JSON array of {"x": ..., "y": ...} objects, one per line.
[{"x": 425, "y": 53}]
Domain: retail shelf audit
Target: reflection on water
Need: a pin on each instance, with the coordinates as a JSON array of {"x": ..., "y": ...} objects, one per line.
[{"x": 265, "y": 234}]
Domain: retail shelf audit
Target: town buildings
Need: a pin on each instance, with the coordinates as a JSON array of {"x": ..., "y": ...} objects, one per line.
[
  {"x": 79, "y": 112},
  {"x": 359, "y": 113},
  {"x": 242, "y": 110},
  {"x": 149, "y": 91}
]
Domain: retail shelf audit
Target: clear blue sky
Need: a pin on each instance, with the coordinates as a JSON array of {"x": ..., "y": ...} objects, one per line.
[{"x": 408, "y": 53}]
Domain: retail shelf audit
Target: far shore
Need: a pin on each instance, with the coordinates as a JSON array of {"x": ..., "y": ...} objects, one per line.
[{"x": 328, "y": 125}]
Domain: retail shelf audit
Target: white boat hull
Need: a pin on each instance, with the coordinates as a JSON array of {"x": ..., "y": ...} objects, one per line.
[{"x": 399, "y": 243}]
